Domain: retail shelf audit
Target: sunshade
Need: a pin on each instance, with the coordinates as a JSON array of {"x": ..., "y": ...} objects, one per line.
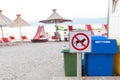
[
  {"x": 114, "y": 5},
  {"x": 18, "y": 22},
  {"x": 3, "y": 21},
  {"x": 55, "y": 18}
]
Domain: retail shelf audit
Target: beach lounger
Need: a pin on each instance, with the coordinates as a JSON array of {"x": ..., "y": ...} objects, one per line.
[
  {"x": 24, "y": 38},
  {"x": 53, "y": 38},
  {"x": 5, "y": 41},
  {"x": 105, "y": 29},
  {"x": 89, "y": 27},
  {"x": 70, "y": 28},
  {"x": 12, "y": 38},
  {"x": 105, "y": 26},
  {"x": 40, "y": 36}
]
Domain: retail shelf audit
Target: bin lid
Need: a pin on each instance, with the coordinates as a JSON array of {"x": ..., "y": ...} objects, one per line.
[
  {"x": 108, "y": 46},
  {"x": 66, "y": 51},
  {"x": 99, "y": 37}
]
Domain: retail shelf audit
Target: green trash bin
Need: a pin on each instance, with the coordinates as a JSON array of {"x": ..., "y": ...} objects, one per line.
[{"x": 70, "y": 63}]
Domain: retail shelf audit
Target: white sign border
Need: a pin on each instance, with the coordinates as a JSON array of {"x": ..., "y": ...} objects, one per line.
[{"x": 72, "y": 33}]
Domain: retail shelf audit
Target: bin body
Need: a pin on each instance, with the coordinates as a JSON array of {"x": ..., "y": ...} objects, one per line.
[
  {"x": 100, "y": 61},
  {"x": 117, "y": 61},
  {"x": 70, "y": 63},
  {"x": 99, "y": 64}
]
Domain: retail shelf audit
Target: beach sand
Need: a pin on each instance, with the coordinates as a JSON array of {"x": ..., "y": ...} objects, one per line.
[
  {"x": 36, "y": 61},
  {"x": 32, "y": 61}
]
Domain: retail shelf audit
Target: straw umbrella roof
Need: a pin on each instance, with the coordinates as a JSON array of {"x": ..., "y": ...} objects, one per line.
[
  {"x": 4, "y": 21},
  {"x": 55, "y": 15},
  {"x": 55, "y": 18},
  {"x": 114, "y": 4},
  {"x": 18, "y": 22}
]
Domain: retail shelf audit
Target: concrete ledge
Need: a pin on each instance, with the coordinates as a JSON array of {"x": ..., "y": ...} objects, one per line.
[{"x": 87, "y": 78}]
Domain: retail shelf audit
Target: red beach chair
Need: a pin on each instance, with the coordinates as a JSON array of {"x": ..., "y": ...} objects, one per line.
[
  {"x": 89, "y": 27},
  {"x": 53, "y": 38},
  {"x": 5, "y": 41},
  {"x": 70, "y": 28},
  {"x": 24, "y": 38},
  {"x": 12, "y": 38},
  {"x": 105, "y": 28}
]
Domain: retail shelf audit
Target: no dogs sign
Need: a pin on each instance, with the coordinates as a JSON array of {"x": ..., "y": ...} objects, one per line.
[{"x": 80, "y": 41}]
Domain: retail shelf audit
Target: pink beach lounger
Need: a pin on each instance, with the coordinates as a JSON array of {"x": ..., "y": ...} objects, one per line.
[
  {"x": 89, "y": 27},
  {"x": 40, "y": 35},
  {"x": 105, "y": 28}
]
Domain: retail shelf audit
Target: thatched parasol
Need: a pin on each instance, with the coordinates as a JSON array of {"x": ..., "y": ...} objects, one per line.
[
  {"x": 55, "y": 18},
  {"x": 3, "y": 21},
  {"x": 18, "y": 22}
]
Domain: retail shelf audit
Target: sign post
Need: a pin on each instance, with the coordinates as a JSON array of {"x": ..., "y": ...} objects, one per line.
[
  {"x": 79, "y": 66},
  {"x": 80, "y": 41}
]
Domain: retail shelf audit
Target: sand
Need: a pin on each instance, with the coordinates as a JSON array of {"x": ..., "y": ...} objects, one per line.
[
  {"x": 32, "y": 61},
  {"x": 36, "y": 61}
]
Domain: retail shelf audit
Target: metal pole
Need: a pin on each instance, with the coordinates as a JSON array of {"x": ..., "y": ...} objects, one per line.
[
  {"x": 2, "y": 31},
  {"x": 108, "y": 18},
  {"x": 20, "y": 34},
  {"x": 79, "y": 66}
]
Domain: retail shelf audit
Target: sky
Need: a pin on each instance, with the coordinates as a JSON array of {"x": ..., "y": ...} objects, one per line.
[{"x": 31, "y": 10}]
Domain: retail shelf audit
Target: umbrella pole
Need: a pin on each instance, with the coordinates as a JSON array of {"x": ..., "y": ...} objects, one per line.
[
  {"x": 20, "y": 32},
  {"x": 2, "y": 31},
  {"x": 55, "y": 25}
]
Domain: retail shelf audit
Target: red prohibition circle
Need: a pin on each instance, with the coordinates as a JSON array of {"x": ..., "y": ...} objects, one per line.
[{"x": 85, "y": 46}]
